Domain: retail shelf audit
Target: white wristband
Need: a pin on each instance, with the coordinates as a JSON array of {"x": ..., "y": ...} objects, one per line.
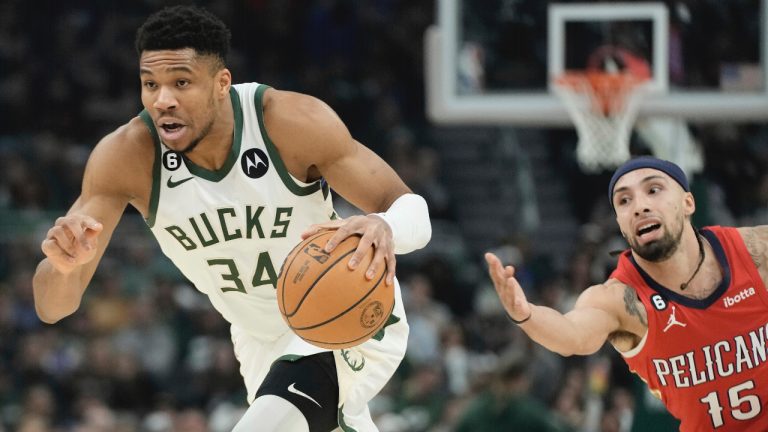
[{"x": 408, "y": 217}]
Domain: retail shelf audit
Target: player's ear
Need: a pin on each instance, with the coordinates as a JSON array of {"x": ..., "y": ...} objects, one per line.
[
  {"x": 223, "y": 82},
  {"x": 689, "y": 204}
]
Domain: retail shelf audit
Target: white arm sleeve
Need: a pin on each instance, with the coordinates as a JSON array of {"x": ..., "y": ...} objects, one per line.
[{"x": 408, "y": 217}]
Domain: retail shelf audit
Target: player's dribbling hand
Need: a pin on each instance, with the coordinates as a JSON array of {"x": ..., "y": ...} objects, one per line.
[
  {"x": 509, "y": 290},
  {"x": 71, "y": 242},
  {"x": 374, "y": 231}
]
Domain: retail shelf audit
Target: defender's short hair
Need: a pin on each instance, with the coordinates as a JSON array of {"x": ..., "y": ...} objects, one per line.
[{"x": 180, "y": 27}]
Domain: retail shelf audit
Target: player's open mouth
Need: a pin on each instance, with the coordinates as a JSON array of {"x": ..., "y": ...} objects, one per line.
[
  {"x": 170, "y": 127},
  {"x": 171, "y": 130},
  {"x": 646, "y": 230}
]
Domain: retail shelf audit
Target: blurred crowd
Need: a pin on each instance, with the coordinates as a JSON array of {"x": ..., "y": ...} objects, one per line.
[{"x": 146, "y": 352}]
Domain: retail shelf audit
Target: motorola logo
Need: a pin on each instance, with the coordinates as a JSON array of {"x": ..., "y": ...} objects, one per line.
[{"x": 254, "y": 163}]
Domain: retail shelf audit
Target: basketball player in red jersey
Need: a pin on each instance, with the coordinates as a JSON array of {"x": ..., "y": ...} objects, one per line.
[{"x": 687, "y": 308}]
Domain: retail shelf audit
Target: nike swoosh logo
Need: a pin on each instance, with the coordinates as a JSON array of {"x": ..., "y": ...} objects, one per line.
[
  {"x": 292, "y": 389},
  {"x": 173, "y": 184}
]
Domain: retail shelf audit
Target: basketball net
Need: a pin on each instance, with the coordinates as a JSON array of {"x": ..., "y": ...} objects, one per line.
[{"x": 603, "y": 106}]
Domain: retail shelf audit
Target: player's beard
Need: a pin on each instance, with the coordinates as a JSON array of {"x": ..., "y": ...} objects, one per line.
[
  {"x": 199, "y": 138},
  {"x": 661, "y": 249},
  {"x": 206, "y": 130}
]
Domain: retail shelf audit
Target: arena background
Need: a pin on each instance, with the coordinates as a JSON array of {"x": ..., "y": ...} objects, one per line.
[{"x": 146, "y": 352}]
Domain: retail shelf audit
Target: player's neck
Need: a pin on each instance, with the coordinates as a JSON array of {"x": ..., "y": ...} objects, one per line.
[
  {"x": 213, "y": 150},
  {"x": 684, "y": 272}
]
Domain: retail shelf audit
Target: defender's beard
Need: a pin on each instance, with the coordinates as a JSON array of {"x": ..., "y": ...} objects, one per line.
[{"x": 661, "y": 249}]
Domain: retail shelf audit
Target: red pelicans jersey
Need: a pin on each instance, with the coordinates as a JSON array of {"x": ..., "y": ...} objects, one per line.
[{"x": 706, "y": 359}]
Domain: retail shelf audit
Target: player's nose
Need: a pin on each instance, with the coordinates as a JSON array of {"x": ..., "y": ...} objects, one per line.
[
  {"x": 641, "y": 208},
  {"x": 641, "y": 204},
  {"x": 165, "y": 100}
]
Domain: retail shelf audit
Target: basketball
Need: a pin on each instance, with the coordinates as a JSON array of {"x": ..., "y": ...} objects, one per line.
[{"x": 327, "y": 304}]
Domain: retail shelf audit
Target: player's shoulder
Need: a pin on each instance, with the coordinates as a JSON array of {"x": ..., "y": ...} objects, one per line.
[
  {"x": 620, "y": 300},
  {"x": 122, "y": 160},
  {"x": 132, "y": 138},
  {"x": 307, "y": 125},
  {"x": 610, "y": 286},
  {"x": 609, "y": 295},
  {"x": 276, "y": 98},
  {"x": 293, "y": 109},
  {"x": 759, "y": 231},
  {"x": 756, "y": 241}
]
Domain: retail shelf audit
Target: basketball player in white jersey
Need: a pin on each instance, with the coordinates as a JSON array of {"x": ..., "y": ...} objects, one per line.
[{"x": 229, "y": 178}]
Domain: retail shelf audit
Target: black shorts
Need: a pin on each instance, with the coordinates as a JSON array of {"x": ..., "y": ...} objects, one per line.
[{"x": 309, "y": 383}]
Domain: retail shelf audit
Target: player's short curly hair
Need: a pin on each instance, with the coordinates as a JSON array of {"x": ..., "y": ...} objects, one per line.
[{"x": 180, "y": 27}]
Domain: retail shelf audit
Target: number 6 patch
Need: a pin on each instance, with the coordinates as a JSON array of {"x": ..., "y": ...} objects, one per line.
[
  {"x": 171, "y": 160},
  {"x": 658, "y": 302}
]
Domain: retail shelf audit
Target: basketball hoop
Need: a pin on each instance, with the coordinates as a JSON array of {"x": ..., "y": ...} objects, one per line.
[{"x": 603, "y": 106}]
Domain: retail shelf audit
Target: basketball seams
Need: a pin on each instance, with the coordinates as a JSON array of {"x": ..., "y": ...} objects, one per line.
[
  {"x": 344, "y": 312},
  {"x": 339, "y": 345},
  {"x": 292, "y": 255},
  {"x": 318, "y": 279}
]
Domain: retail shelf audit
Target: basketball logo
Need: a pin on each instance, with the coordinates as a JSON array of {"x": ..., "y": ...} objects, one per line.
[
  {"x": 317, "y": 253},
  {"x": 372, "y": 314},
  {"x": 300, "y": 274}
]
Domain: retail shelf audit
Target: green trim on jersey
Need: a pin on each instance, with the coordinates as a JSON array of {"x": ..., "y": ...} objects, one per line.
[
  {"x": 274, "y": 155},
  {"x": 344, "y": 427},
  {"x": 154, "y": 197},
  {"x": 391, "y": 320},
  {"x": 234, "y": 152},
  {"x": 288, "y": 358}
]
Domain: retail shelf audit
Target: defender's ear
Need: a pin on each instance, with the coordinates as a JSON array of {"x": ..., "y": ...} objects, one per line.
[{"x": 689, "y": 204}]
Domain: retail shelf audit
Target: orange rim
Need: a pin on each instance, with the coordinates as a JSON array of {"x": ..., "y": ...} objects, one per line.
[{"x": 608, "y": 90}]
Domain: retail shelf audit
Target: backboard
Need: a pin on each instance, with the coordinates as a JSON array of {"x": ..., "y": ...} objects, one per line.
[{"x": 491, "y": 62}]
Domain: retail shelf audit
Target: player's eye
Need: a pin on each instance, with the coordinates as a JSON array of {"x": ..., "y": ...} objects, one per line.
[
  {"x": 150, "y": 85},
  {"x": 182, "y": 83}
]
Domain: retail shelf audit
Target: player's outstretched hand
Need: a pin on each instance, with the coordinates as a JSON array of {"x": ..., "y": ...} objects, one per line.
[
  {"x": 374, "y": 231},
  {"x": 71, "y": 242},
  {"x": 509, "y": 290}
]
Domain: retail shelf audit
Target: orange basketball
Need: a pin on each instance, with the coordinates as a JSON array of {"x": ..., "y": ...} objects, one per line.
[{"x": 326, "y": 303}]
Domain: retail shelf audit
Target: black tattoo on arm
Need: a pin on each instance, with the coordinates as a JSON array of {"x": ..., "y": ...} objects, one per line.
[
  {"x": 756, "y": 240},
  {"x": 630, "y": 304}
]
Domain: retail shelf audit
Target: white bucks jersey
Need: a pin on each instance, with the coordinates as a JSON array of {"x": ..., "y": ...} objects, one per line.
[{"x": 229, "y": 230}]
